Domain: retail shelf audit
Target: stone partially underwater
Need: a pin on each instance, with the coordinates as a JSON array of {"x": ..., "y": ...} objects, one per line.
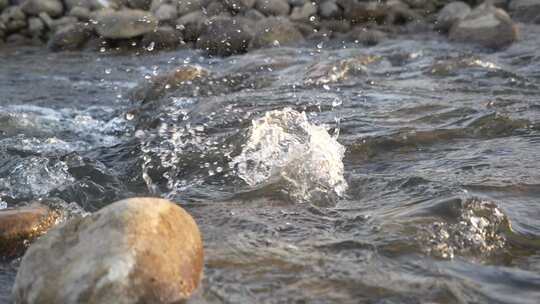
[{"x": 141, "y": 250}]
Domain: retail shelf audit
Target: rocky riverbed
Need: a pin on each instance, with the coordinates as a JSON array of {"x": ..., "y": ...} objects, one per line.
[
  {"x": 329, "y": 151},
  {"x": 227, "y": 27}
]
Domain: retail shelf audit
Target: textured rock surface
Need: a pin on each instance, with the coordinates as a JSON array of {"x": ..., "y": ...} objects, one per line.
[
  {"x": 124, "y": 24},
  {"x": 52, "y": 7},
  {"x": 451, "y": 13},
  {"x": 275, "y": 32},
  {"x": 142, "y": 250},
  {"x": 18, "y": 226},
  {"x": 225, "y": 36},
  {"x": 486, "y": 26}
]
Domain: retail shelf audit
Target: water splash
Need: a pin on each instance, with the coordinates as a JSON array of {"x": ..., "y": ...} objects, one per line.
[{"x": 284, "y": 146}]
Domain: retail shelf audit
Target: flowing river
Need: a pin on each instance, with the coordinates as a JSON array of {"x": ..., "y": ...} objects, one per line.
[{"x": 407, "y": 172}]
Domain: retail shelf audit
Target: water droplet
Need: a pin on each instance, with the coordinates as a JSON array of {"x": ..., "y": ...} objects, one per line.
[
  {"x": 108, "y": 71},
  {"x": 151, "y": 46}
]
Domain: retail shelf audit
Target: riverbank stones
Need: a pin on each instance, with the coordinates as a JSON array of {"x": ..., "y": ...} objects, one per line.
[
  {"x": 140, "y": 250},
  {"x": 124, "y": 24},
  {"x": 486, "y": 26}
]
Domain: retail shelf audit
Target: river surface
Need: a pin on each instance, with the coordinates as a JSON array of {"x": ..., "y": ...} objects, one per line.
[{"x": 407, "y": 172}]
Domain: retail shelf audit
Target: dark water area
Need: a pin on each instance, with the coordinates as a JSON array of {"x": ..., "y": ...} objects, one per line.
[{"x": 407, "y": 172}]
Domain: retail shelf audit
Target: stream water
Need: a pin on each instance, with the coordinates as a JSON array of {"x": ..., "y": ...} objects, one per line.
[{"x": 407, "y": 172}]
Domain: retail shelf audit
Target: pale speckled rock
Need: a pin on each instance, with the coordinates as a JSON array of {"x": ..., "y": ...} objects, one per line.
[
  {"x": 124, "y": 24},
  {"x": 52, "y": 7},
  {"x": 485, "y": 26},
  {"x": 141, "y": 250},
  {"x": 451, "y": 13},
  {"x": 273, "y": 7}
]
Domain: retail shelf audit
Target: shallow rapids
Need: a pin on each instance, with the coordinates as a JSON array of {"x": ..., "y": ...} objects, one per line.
[{"x": 406, "y": 172}]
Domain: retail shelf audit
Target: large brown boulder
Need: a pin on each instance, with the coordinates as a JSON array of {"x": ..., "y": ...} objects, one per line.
[{"x": 142, "y": 250}]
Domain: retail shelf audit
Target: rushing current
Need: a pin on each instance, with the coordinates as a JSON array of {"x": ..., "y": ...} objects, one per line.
[{"x": 407, "y": 172}]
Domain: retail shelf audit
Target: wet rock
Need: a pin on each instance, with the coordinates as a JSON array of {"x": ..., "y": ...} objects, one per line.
[
  {"x": 141, "y": 250},
  {"x": 275, "y": 31},
  {"x": 19, "y": 226},
  {"x": 450, "y": 14},
  {"x": 52, "y": 7},
  {"x": 225, "y": 36},
  {"x": 139, "y": 4},
  {"x": 191, "y": 25},
  {"x": 324, "y": 72},
  {"x": 166, "y": 12},
  {"x": 36, "y": 26},
  {"x": 215, "y": 8},
  {"x": 159, "y": 85},
  {"x": 71, "y": 37},
  {"x": 124, "y": 24},
  {"x": 3, "y": 4},
  {"x": 303, "y": 13},
  {"x": 95, "y": 4},
  {"x": 399, "y": 13},
  {"x": 162, "y": 38},
  {"x": 329, "y": 9},
  {"x": 64, "y": 21},
  {"x": 486, "y": 26},
  {"x": 336, "y": 26},
  {"x": 18, "y": 39},
  {"x": 359, "y": 12},
  {"x": 188, "y": 6},
  {"x": 525, "y": 10},
  {"x": 254, "y": 15},
  {"x": 239, "y": 5},
  {"x": 81, "y": 13},
  {"x": 13, "y": 18},
  {"x": 273, "y": 7}
]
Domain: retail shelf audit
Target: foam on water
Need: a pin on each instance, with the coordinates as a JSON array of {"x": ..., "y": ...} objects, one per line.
[
  {"x": 284, "y": 146},
  {"x": 479, "y": 230}
]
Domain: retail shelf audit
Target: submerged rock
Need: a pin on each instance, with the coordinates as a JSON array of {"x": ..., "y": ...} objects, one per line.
[
  {"x": 161, "y": 84},
  {"x": 124, "y": 24},
  {"x": 19, "y": 226},
  {"x": 486, "y": 26},
  {"x": 142, "y": 250}
]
